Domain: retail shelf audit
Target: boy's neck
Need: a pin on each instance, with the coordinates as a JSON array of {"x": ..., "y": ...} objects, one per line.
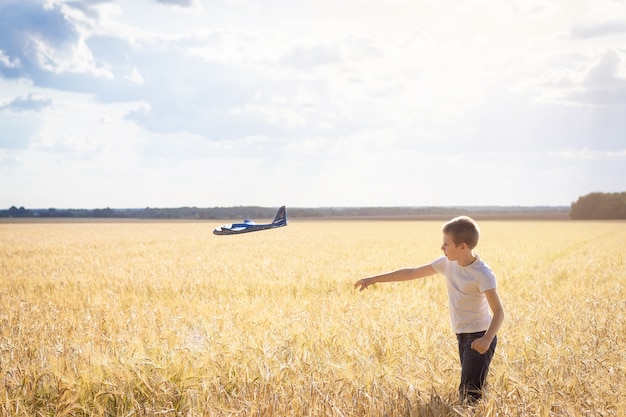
[{"x": 467, "y": 260}]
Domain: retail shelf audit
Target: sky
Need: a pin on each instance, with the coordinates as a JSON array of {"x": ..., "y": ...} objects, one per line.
[{"x": 312, "y": 103}]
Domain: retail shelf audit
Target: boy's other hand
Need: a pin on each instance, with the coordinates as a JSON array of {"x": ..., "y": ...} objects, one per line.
[{"x": 481, "y": 345}]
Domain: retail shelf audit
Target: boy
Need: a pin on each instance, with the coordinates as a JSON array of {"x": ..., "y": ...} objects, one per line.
[{"x": 471, "y": 294}]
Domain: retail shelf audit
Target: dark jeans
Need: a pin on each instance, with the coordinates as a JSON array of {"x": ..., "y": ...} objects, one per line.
[{"x": 474, "y": 366}]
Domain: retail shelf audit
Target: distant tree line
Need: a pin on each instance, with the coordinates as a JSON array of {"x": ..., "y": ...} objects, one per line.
[
  {"x": 599, "y": 206},
  {"x": 254, "y": 212},
  {"x": 594, "y": 206}
]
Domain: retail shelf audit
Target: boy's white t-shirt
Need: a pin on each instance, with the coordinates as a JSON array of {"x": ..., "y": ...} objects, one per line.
[{"x": 469, "y": 309}]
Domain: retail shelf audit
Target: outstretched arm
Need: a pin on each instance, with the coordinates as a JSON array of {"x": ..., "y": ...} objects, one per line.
[{"x": 405, "y": 274}]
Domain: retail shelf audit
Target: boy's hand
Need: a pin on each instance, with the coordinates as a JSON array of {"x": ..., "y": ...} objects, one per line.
[
  {"x": 361, "y": 284},
  {"x": 481, "y": 345}
]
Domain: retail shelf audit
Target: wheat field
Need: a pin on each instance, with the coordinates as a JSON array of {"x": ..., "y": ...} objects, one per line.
[{"x": 166, "y": 319}]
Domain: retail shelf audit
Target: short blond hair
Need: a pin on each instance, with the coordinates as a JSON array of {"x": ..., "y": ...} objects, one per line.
[{"x": 463, "y": 229}]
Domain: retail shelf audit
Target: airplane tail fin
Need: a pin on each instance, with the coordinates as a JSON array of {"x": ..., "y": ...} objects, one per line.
[{"x": 281, "y": 216}]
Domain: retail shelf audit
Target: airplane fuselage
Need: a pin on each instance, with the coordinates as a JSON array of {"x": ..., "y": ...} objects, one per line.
[{"x": 247, "y": 226}]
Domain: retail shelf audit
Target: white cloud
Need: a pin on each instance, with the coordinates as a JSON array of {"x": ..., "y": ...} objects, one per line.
[
  {"x": 9, "y": 62},
  {"x": 589, "y": 154},
  {"x": 135, "y": 76},
  {"x": 33, "y": 102},
  {"x": 598, "y": 28},
  {"x": 599, "y": 81},
  {"x": 181, "y": 3},
  {"x": 229, "y": 47}
]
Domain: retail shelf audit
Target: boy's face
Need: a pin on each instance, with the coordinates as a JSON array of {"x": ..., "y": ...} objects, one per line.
[{"x": 450, "y": 249}]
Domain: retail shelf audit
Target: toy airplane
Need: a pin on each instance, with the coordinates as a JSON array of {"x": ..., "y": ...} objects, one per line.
[{"x": 247, "y": 226}]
